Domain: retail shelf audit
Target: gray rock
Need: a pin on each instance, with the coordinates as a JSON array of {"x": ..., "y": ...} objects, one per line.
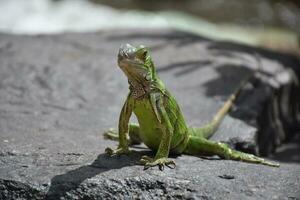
[{"x": 58, "y": 93}]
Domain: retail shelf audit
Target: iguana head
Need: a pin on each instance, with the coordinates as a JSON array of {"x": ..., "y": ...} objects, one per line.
[{"x": 137, "y": 65}]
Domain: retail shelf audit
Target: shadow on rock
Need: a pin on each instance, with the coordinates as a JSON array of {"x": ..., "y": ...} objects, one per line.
[
  {"x": 230, "y": 76},
  {"x": 186, "y": 67},
  {"x": 231, "y": 47},
  {"x": 289, "y": 153},
  {"x": 274, "y": 109},
  {"x": 64, "y": 183}
]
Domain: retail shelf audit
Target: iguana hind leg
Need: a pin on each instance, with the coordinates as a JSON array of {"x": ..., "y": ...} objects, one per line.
[
  {"x": 202, "y": 146},
  {"x": 134, "y": 136}
]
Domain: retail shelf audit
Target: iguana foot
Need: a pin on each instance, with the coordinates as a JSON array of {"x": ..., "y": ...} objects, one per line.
[
  {"x": 161, "y": 163},
  {"x": 111, "y": 134},
  {"x": 245, "y": 157},
  {"x": 117, "y": 152}
]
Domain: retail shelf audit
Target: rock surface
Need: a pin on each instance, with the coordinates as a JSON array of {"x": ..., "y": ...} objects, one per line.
[{"x": 58, "y": 93}]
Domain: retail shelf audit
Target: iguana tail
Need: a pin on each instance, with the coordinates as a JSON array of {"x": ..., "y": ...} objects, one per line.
[{"x": 209, "y": 129}]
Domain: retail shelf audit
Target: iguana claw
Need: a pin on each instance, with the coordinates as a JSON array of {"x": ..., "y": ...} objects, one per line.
[
  {"x": 111, "y": 134},
  {"x": 161, "y": 163},
  {"x": 117, "y": 152}
]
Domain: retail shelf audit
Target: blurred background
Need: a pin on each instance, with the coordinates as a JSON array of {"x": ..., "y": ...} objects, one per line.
[{"x": 273, "y": 24}]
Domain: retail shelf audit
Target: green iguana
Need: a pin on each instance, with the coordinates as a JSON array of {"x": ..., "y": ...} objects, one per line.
[{"x": 162, "y": 127}]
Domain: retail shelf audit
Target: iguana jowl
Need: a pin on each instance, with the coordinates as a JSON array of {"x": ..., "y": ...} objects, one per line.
[{"x": 161, "y": 125}]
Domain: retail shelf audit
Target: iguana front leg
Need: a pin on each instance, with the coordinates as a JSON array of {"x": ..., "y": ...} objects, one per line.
[
  {"x": 161, "y": 158},
  {"x": 134, "y": 134},
  {"x": 123, "y": 129}
]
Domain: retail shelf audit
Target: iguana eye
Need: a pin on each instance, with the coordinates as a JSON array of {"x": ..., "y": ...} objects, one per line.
[{"x": 142, "y": 54}]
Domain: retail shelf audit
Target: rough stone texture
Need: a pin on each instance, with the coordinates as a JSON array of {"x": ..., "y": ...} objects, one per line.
[{"x": 58, "y": 94}]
